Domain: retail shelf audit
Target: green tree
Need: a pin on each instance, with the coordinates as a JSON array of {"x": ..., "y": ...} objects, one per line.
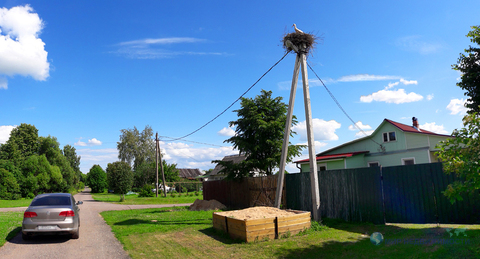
[
  {"x": 70, "y": 154},
  {"x": 120, "y": 177},
  {"x": 136, "y": 147},
  {"x": 50, "y": 147},
  {"x": 469, "y": 65},
  {"x": 460, "y": 155},
  {"x": 23, "y": 142},
  {"x": 259, "y": 132},
  {"x": 9, "y": 188},
  {"x": 97, "y": 179}
]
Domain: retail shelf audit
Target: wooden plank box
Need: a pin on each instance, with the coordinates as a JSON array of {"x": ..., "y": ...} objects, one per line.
[{"x": 261, "y": 229}]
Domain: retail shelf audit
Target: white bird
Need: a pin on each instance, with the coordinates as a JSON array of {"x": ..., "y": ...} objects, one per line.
[{"x": 296, "y": 29}]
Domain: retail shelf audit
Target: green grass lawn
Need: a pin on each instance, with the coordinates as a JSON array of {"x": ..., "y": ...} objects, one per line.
[
  {"x": 10, "y": 225},
  {"x": 15, "y": 203},
  {"x": 179, "y": 233},
  {"x": 135, "y": 200}
]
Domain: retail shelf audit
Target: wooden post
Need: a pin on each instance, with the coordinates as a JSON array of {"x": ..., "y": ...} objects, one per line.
[
  {"x": 301, "y": 59},
  {"x": 156, "y": 164},
  {"x": 311, "y": 143},
  {"x": 161, "y": 167},
  {"x": 288, "y": 125}
]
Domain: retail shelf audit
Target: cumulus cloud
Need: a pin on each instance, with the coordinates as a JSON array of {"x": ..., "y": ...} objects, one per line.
[
  {"x": 430, "y": 97},
  {"x": 365, "y": 77},
  {"x": 364, "y": 133},
  {"x": 22, "y": 52},
  {"x": 322, "y": 130},
  {"x": 359, "y": 125},
  {"x": 417, "y": 44},
  {"x": 440, "y": 129},
  {"x": 157, "y": 48},
  {"x": 227, "y": 132},
  {"x": 393, "y": 96},
  {"x": 457, "y": 106},
  {"x": 5, "y": 133},
  {"x": 100, "y": 157},
  {"x": 90, "y": 142}
]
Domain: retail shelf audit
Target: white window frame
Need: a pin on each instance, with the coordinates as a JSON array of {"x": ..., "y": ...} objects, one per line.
[
  {"x": 373, "y": 162},
  {"x": 408, "y": 158},
  {"x": 322, "y": 165},
  {"x": 388, "y": 136}
]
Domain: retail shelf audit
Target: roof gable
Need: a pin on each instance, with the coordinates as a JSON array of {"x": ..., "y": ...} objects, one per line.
[{"x": 189, "y": 173}]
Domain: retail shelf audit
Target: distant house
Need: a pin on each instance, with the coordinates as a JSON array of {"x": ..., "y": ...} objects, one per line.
[
  {"x": 190, "y": 174},
  {"x": 391, "y": 144},
  {"x": 215, "y": 174}
]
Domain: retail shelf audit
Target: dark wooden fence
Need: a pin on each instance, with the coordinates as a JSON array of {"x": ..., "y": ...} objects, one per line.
[
  {"x": 399, "y": 194},
  {"x": 256, "y": 191}
]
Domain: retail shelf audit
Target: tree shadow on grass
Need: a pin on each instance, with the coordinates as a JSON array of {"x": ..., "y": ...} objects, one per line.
[
  {"x": 398, "y": 242},
  {"x": 220, "y": 236},
  {"x": 130, "y": 222}
]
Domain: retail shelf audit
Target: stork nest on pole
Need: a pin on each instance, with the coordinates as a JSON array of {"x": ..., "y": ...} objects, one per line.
[{"x": 304, "y": 41}]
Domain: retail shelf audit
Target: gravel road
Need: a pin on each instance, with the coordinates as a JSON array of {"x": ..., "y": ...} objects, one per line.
[{"x": 96, "y": 237}]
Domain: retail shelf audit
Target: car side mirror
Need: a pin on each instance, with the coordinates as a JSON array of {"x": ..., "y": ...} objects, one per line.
[{"x": 79, "y": 202}]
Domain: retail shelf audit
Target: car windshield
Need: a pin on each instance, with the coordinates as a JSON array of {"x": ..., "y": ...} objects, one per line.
[{"x": 51, "y": 200}]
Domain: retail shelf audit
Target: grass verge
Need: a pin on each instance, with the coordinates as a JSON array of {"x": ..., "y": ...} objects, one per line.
[
  {"x": 10, "y": 225},
  {"x": 135, "y": 200},
  {"x": 15, "y": 203},
  {"x": 179, "y": 233}
]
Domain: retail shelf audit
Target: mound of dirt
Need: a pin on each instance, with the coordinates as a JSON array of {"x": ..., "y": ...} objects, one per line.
[
  {"x": 256, "y": 213},
  {"x": 207, "y": 205}
]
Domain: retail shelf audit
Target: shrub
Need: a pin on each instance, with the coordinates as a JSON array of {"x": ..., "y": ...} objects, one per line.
[
  {"x": 197, "y": 193},
  {"x": 146, "y": 191}
]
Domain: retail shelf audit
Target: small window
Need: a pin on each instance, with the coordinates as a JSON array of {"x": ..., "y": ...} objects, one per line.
[
  {"x": 389, "y": 136},
  {"x": 408, "y": 161},
  {"x": 322, "y": 167},
  {"x": 373, "y": 164}
]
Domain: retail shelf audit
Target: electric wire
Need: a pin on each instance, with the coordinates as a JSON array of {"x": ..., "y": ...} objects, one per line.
[
  {"x": 202, "y": 143},
  {"x": 341, "y": 108},
  {"x": 230, "y": 106}
]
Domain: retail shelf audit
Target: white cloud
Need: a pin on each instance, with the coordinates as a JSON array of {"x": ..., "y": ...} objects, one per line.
[
  {"x": 94, "y": 142},
  {"x": 391, "y": 96},
  {"x": 21, "y": 50},
  {"x": 3, "y": 83},
  {"x": 227, "y": 132},
  {"x": 148, "y": 48},
  {"x": 408, "y": 82},
  {"x": 430, "y": 97},
  {"x": 5, "y": 133},
  {"x": 359, "y": 125},
  {"x": 365, "y": 77},
  {"x": 416, "y": 44},
  {"x": 90, "y": 142},
  {"x": 318, "y": 146},
  {"x": 457, "y": 106},
  {"x": 322, "y": 130},
  {"x": 440, "y": 129}
]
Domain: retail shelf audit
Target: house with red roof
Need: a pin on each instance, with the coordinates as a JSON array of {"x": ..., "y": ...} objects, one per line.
[{"x": 391, "y": 144}]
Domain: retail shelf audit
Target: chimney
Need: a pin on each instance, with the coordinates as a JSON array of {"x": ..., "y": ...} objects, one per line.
[{"x": 415, "y": 122}]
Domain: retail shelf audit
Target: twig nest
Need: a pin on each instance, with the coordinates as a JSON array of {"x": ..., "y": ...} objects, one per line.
[{"x": 303, "y": 41}]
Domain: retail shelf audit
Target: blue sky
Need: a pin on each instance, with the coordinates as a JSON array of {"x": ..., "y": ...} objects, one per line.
[{"x": 83, "y": 70}]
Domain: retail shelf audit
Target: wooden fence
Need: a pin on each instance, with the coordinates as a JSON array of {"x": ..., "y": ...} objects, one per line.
[
  {"x": 399, "y": 194},
  {"x": 256, "y": 191}
]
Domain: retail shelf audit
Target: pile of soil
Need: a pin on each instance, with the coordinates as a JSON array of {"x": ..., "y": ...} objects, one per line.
[
  {"x": 207, "y": 205},
  {"x": 256, "y": 213}
]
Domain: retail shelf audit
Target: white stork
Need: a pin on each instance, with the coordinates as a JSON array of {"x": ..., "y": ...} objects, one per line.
[{"x": 297, "y": 29}]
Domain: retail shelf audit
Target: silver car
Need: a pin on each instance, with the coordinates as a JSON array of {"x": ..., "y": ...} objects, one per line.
[{"x": 52, "y": 213}]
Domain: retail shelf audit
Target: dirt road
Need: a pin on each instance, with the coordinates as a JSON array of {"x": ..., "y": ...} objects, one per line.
[{"x": 96, "y": 238}]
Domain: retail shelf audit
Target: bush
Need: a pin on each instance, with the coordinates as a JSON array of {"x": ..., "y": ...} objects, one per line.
[
  {"x": 173, "y": 195},
  {"x": 197, "y": 193},
  {"x": 146, "y": 191}
]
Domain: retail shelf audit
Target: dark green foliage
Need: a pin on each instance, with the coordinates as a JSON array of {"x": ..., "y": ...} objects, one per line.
[
  {"x": 146, "y": 191},
  {"x": 23, "y": 142},
  {"x": 9, "y": 188},
  {"x": 80, "y": 186},
  {"x": 97, "y": 179},
  {"x": 460, "y": 156},
  {"x": 119, "y": 177},
  {"x": 259, "y": 133},
  {"x": 469, "y": 65}
]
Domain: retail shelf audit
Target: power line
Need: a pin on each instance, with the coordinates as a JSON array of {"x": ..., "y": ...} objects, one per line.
[
  {"x": 173, "y": 139},
  {"x": 220, "y": 114},
  {"x": 341, "y": 108}
]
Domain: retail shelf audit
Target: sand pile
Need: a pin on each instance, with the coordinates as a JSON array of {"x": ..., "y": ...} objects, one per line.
[
  {"x": 256, "y": 213},
  {"x": 207, "y": 205}
]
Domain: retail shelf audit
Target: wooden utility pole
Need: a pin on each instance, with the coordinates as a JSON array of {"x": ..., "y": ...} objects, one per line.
[
  {"x": 300, "y": 60},
  {"x": 158, "y": 154}
]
